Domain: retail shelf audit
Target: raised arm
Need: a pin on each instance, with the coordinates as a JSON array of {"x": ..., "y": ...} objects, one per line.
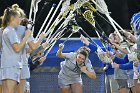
[
  {"x": 87, "y": 43},
  {"x": 59, "y": 52},
  {"x": 126, "y": 66}
]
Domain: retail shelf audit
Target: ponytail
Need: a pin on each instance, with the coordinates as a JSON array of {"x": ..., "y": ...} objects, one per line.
[
  {"x": 16, "y": 7},
  {"x": 8, "y": 13}
]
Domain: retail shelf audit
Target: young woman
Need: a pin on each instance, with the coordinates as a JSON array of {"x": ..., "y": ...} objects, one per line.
[
  {"x": 111, "y": 85},
  {"x": 119, "y": 74},
  {"x": 69, "y": 78},
  {"x": 11, "y": 50},
  {"x": 21, "y": 30}
]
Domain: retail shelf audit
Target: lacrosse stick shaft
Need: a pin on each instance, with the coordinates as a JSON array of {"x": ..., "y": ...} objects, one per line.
[
  {"x": 64, "y": 23},
  {"x": 118, "y": 25},
  {"x": 46, "y": 19},
  {"x": 109, "y": 18},
  {"x": 52, "y": 45},
  {"x": 53, "y": 15},
  {"x": 68, "y": 38},
  {"x": 56, "y": 32},
  {"x": 60, "y": 15},
  {"x": 52, "y": 29},
  {"x": 89, "y": 37},
  {"x": 31, "y": 10},
  {"x": 50, "y": 48}
]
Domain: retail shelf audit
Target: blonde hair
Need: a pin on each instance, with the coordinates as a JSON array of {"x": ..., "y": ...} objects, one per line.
[
  {"x": 1, "y": 21},
  {"x": 17, "y": 8},
  {"x": 83, "y": 50},
  {"x": 8, "y": 13}
]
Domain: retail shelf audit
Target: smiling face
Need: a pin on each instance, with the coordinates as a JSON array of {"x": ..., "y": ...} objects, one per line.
[{"x": 80, "y": 58}]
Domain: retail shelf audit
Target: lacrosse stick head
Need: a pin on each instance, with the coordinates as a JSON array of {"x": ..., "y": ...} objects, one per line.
[
  {"x": 65, "y": 7},
  {"x": 89, "y": 6},
  {"x": 89, "y": 17},
  {"x": 74, "y": 25},
  {"x": 133, "y": 57},
  {"x": 79, "y": 3},
  {"x": 102, "y": 56},
  {"x": 35, "y": 5},
  {"x": 101, "y": 6}
]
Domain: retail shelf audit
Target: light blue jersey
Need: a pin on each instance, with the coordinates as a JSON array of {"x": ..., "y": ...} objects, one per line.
[
  {"x": 9, "y": 58},
  {"x": 20, "y": 30},
  {"x": 70, "y": 71}
]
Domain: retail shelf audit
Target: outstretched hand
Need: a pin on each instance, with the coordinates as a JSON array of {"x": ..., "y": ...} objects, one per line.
[
  {"x": 84, "y": 40},
  {"x": 114, "y": 65},
  {"x": 83, "y": 69}
]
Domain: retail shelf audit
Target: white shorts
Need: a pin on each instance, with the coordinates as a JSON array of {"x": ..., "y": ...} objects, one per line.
[
  {"x": 130, "y": 83},
  {"x": 130, "y": 80},
  {"x": 135, "y": 69},
  {"x": 11, "y": 73},
  {"x": 25, "y": 73}
]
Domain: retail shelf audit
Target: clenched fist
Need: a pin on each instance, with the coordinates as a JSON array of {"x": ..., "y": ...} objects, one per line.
[
  {"x": 61, "y": 46},
  {"x": 83, "y": 69}
]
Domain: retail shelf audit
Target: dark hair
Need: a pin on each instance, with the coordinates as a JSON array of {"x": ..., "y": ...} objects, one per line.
[
  {"x": 24, "y": 22},
  {"x": 83, "y": 52},
  {"x": 8, "y": 13}
]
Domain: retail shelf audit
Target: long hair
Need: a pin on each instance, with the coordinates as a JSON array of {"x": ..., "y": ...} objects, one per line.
[
  {"x": 8, "y": 13},
  {"x": 1, "y": 21},
  {"x": 16, "y": 7},
  {"x": 84, "y": 51}
]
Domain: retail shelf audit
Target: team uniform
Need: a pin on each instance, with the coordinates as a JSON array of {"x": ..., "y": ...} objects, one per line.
[
  {"x": 10, "y": 60},
  {"x": 25, "y": 73},
  {"x": 70, "y": 71}
]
